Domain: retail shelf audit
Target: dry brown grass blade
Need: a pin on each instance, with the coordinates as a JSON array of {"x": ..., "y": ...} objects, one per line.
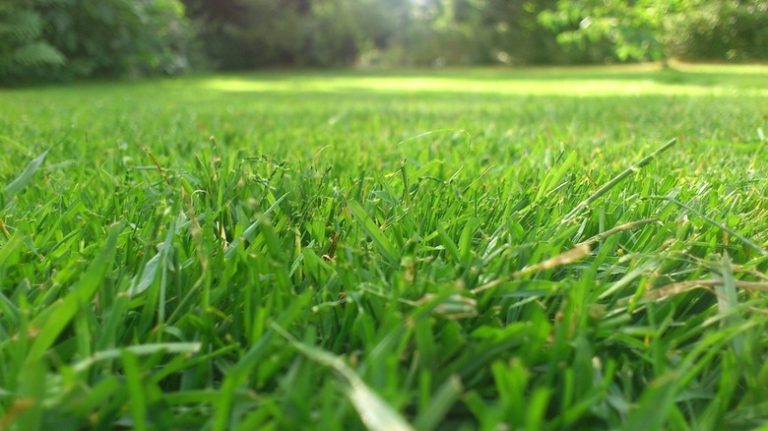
[
  {"x": 4, "y": 229},
  {"x": 573, "y": 255},
  {"x": 618, "y": 229},
  {"x": 686, "y": 286}
]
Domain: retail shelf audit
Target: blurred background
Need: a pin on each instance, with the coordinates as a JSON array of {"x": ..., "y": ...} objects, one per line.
[{"x": 61, "y": 40}]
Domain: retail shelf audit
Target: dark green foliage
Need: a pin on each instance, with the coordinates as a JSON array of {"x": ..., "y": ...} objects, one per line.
[
  {"x": 23, "y": 48},
  {"x": 660, "y": 29},
  {"x": 250, "y": 33},
  {"x": 120, "y": 37},
  {"x": 240, "y": 34},
  {"x": 67, "y": 39},
  {"x": 70, "y": 39},
  {"x": 724, "y": 30}
]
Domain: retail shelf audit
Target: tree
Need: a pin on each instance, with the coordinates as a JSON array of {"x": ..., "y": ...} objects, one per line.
[
  {"x": 723, "y": 30},
  {"x": 637, "y": 29},
  {"x": 67, "y": 39},
  {"x": 242, "y": 34},
  {"x": 22, "y": 45}
]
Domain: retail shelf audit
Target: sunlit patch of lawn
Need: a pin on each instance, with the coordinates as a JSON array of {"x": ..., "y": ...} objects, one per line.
[{"x": 606, "y": 81}]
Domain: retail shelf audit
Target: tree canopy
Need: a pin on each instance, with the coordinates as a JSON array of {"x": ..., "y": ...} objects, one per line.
[
  {"x": 659, "y": 29},
  {"x": 69, "y": 39}
]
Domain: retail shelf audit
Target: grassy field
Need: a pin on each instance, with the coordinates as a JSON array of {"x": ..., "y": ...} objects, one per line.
[{"x": 460, "y": 249}]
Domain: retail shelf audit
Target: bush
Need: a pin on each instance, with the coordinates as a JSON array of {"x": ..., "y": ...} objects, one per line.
[
  {"x": 68, "y": 39},
  {"x": 23, "y": 49},
  {"x": 724, "y": 30},
  {"x": 243, "y": 34}
]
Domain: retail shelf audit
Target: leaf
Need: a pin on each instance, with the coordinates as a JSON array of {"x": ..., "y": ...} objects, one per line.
[
  {"x": 31, "y": 393},
  {"x": 382, "y": 243},
  {"x": 138, "y": 350},
  {"x": 37, "y": 54},
  {"x": 250, "y": 231},
  {"x": 746, "y": 241},
  {"x": 446, "y": 396},
  {"x": 24, "y": 178},
  {"x": 9, "y": 252},
  {"x": 605, "y": 188},
  {"x": 239, "y": 372},
  {"x": 549, "y": 183},
  {"x": 83, "y": 291},
  {"x": 136, "y": 396},
  {"x": 448, "y": 243},
  {"x": 655, "y": 404},
  {"x": 374, "y": 412},
  {"x": 727, "y": 305},
  {"x": 147, "y": 276}
]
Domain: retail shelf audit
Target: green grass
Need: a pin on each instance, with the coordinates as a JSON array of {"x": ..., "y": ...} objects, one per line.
[{"x": 426, "y": 250}]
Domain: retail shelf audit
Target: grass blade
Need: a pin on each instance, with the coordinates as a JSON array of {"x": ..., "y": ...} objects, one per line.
[
  {"x": 83, "y": 291},
  {"x": 25, "y": 177},
  {"x": 655, "y": 404},
  {"x": 748, "y": 242},
  {"x": 446, "y": 396},
  {"x": 137, "y": 350},
  {"x": 382, "y": 243},
  {"x": 136, "y": 396},
  {"x": 727, "y": 304},
  {"x": 616, "y": 180},
  {"x": 31, "y": 396},
  {"x": 148, "y": 274},
  {"x": 374, "y": 412}
]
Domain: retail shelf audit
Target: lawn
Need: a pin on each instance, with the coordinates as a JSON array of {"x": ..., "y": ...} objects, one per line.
[{"x": 457, "y": 249}]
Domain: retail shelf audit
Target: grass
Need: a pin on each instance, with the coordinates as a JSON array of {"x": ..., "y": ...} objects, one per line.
[{"x": 400, "y": 250}]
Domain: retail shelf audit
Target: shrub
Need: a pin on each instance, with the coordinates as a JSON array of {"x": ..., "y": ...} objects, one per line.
[{"x": 68, "y": 39}]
